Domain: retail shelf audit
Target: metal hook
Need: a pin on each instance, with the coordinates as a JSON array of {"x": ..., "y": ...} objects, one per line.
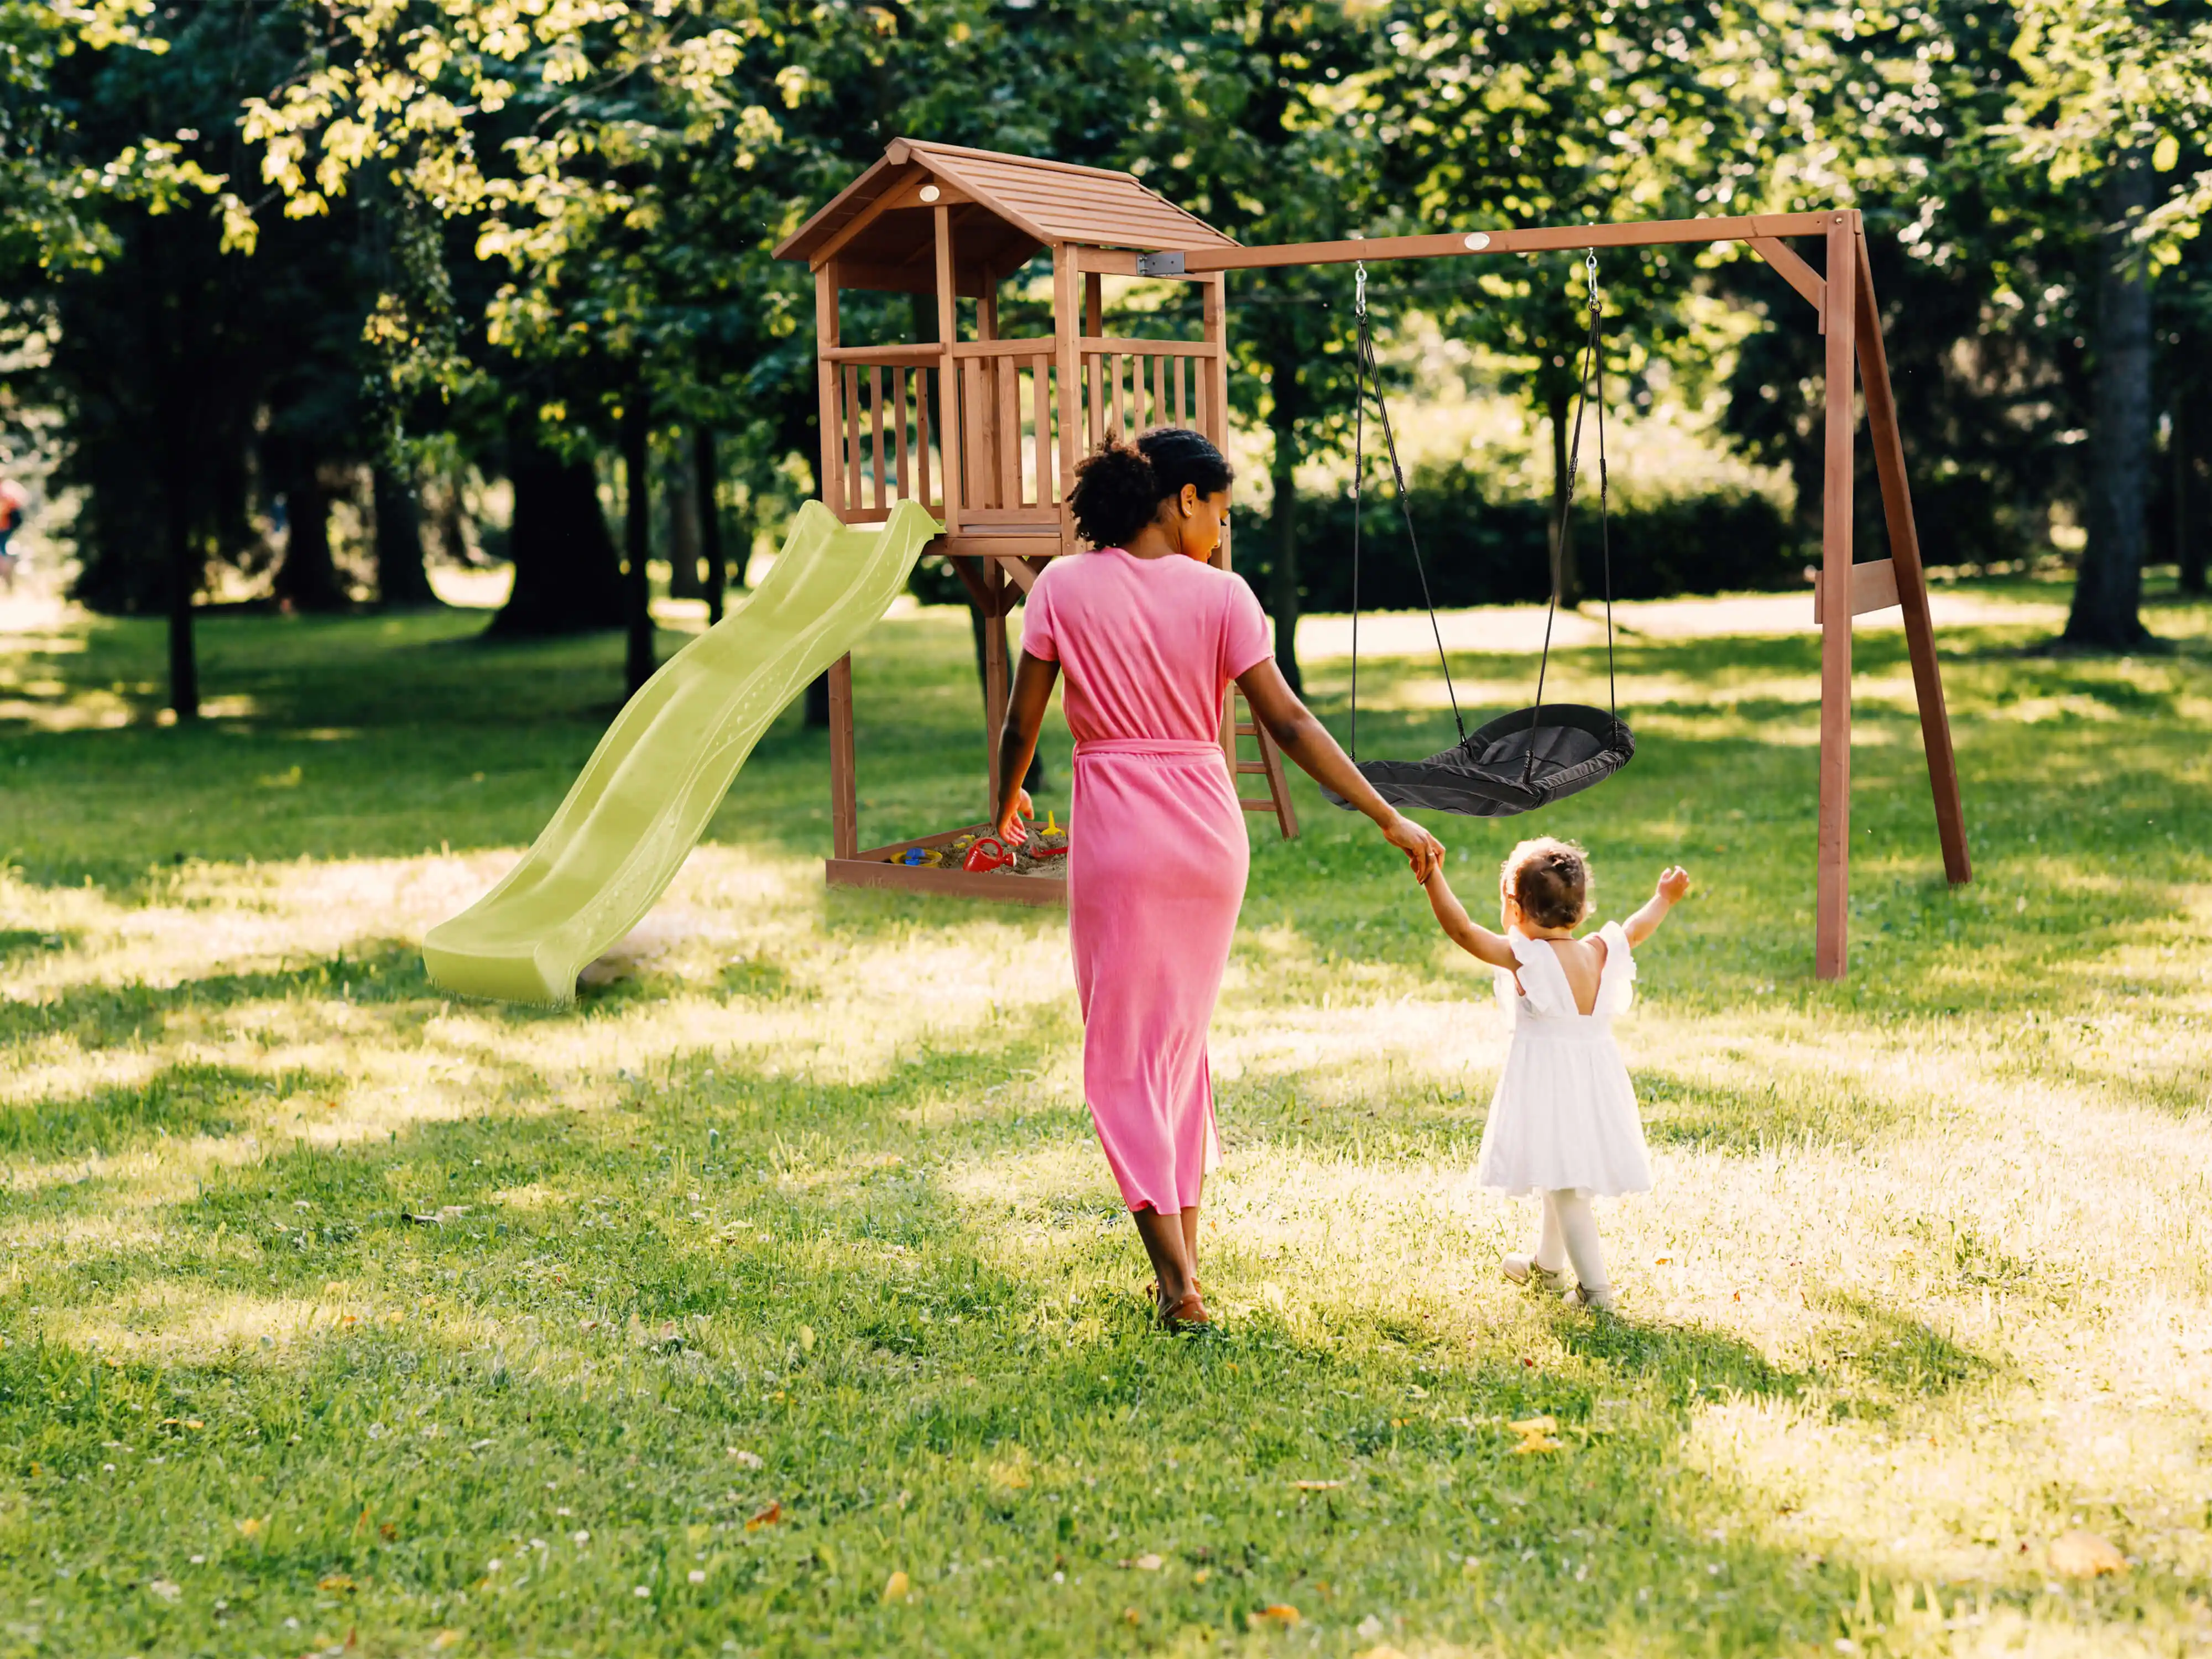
[
  {"x": 1360, "y": 287},
  {"x": 1590, "y": 263}
]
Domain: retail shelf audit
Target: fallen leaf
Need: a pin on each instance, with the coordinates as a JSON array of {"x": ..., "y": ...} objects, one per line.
[
  {"x": 252, "y": 1526},
  {"x": 2080, "y": 1554},
  {"x": 1146, "y": 1563},
  {"x": 446, "y": 1639},
  {"x": 1129, "y": 1615},
  {"x": 767, "y": 1517},
  {"x": 746, "y": 1460},
  {"x": 806, "y": 1338},
  {"x": 337, "y": 1582},
  {"x": 897, "y": 1586},
  {"x": 1535, "y": 1425},
  {"x": 388, "y": 1532},
  {"x": 1535, "y": 1442},
  {"x": 1279, "y": 1612},
  {"x": 1315, "y": 1485},
  {"x": 1201, "y": 1575}
]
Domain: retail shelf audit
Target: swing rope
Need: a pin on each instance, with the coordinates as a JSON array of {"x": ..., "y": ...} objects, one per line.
[
  {"x": 1532, "y": 756},
  {"x": 1592, "y": 369},
  {"x": 1366, "y": 372}
]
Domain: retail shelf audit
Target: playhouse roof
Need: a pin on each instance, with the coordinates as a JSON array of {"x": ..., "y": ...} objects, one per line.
[{"x": 1003, "y": 208}]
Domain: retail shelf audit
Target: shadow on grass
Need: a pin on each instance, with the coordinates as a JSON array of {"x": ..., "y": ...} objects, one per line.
[{"x": 191, "y": 1098}]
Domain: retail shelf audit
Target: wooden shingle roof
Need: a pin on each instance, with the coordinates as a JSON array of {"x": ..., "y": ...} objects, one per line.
[{"x": 1009, "y": 207}]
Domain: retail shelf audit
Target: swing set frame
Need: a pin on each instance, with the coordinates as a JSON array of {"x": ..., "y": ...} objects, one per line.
[{"x": 934, "y": 220}]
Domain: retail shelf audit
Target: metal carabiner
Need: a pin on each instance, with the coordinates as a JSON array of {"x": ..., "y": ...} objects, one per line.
[
  {"x": 1360, "y": 287},
  {"x": 1589, "y": 263}
]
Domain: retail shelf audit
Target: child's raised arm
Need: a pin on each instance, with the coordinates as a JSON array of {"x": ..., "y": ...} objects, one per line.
[
  {"x": 1674, "y": 882},
  {"x": 1471, "y": 935}
]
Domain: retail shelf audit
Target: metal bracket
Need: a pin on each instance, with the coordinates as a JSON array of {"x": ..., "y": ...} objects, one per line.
[{"x": 1159, "y": 264}]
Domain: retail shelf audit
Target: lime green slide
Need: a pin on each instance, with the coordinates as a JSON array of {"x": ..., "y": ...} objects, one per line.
[{"x": 645, "y": 796}]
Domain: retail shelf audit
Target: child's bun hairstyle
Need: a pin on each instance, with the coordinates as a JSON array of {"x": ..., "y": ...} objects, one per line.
[
  {"x": 1120, "y": 486},
  {"x": 1550, "y": 879}
]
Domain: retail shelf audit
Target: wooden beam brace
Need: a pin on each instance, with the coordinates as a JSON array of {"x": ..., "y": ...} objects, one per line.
[
  {"x": 1874, "y": 587},
  {"x": 1796, "y": 272}
]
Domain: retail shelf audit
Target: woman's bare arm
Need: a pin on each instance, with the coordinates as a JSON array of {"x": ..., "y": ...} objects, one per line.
[
  {"x": 1307, "y": 741},
  {"x": 1470, "y": 935},
  {"x": 1032, "y": 695}
]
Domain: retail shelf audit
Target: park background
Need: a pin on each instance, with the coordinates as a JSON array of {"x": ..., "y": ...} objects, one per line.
[{"x": 777, "y": 1299}]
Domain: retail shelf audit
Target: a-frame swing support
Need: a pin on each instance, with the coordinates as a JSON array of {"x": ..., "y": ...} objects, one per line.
[{"x": 1844, "y": 299}]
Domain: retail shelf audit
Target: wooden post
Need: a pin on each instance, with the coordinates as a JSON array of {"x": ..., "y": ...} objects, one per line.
[
  {"x": 1214, "y": 420},
  {"x": 1067, "y": 402},
  {"x": 832, "y": 477},
  {"x": 994, "y": 676},
  {"x": 1888, "y": 443},
  {"x": 950, "y": 442},
  {"x": 1831, "y": 906},
  {"x": 844, "y": 796}
]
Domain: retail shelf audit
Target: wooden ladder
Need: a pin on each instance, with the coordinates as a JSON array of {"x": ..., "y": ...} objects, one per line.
[{"x": 1238, "y": 723}]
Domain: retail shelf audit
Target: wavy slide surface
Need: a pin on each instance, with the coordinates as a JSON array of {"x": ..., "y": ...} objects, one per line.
[{"x": 644, "y": 797}]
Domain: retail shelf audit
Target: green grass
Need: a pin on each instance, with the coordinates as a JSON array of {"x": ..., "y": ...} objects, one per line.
[{"x": 337, "y": 1312}]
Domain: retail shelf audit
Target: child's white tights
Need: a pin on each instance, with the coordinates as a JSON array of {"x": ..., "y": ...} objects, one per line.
[{"x": 1569, "y": 1233}]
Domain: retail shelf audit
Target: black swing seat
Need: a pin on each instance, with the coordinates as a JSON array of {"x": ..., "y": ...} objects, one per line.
[{"x": 1488, "y": 773}]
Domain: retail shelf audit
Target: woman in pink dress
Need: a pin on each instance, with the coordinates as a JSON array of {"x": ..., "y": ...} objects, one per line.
[{"x": 1150, "y": 634}]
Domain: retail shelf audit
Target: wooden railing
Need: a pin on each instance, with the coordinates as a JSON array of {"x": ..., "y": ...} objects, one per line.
[
  {"x": 886, "y": 396},
  {"x": 1009, "y": 431},
  {"x": 1131, "y": 384},
  {"x": 1001, "y": 425}
]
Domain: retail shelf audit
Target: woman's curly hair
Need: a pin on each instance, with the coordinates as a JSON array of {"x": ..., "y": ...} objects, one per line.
[
  {"x": 1550, "y": 879},
  {"x": 1119, "y": 487}
]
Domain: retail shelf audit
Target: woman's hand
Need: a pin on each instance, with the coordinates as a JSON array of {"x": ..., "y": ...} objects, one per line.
[
  {"x": 1010, "y": 813},
  {"x": 1422, "y": 850}
]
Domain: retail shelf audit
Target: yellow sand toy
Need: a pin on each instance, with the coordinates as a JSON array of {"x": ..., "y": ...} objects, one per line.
[{"x": 644, "y": 797}]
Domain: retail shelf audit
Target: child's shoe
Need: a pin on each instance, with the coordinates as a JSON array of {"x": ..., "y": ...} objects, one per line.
[
  {"x": 1603, "y": 1298},
  {"x": 1521, "y": 1268}
]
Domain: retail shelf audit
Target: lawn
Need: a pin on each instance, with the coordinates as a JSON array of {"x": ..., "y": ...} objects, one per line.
[{"x": 777, "y": 1299}]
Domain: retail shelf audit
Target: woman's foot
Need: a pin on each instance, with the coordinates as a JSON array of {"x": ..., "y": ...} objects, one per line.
[
  {"x": 1602, "y": 1298},
  {"x": 1187, "y": 1314},
  {"x": 1521, "y": 1268}
]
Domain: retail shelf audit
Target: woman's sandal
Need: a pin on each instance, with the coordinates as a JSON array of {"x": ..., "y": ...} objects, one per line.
[
  {"x": 1604, "y": 1301},
  {"x": 1188, "y": 1314}
]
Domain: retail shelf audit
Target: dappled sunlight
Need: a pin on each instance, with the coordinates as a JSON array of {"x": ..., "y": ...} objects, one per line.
[{"x": 801, "y": 1205}]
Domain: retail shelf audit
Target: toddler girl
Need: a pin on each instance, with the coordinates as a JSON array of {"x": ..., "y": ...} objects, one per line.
[{"x": 1563, "y": 1123}]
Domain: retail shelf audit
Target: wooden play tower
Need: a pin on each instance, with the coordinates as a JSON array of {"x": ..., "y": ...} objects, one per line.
[{"x": 985, "y": 432}]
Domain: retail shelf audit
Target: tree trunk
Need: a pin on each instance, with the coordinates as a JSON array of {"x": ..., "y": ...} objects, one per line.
[
  {"x": 1559, "y": 405},
  {"x": 705, "y": 477},
  {"x": 2108, "y": 593},
  {"x": 637, "y": 505},
  {"x": 2188, "y": 503},
  {"x": 185, "y": 569},
  {"x": 401, "y": 580},
  {"x": 1283, "y": 520},
  {"x": 567, "y": 577},
  {"x": 680, "y": 490},
  {"x": 308, "y": 579}
]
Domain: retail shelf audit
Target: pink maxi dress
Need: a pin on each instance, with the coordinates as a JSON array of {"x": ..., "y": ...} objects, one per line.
[{"x": 1157, "y": 854}]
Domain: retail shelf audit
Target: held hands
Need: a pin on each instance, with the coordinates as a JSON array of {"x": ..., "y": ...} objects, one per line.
[
  {"x": 1423, "y": 851},
  {"x": 1674, "y": 883},
  {"x": 1013, "y": 810}
]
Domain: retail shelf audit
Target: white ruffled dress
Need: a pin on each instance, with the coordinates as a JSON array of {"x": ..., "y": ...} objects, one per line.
[{"x": 1565, "y": 1115}]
